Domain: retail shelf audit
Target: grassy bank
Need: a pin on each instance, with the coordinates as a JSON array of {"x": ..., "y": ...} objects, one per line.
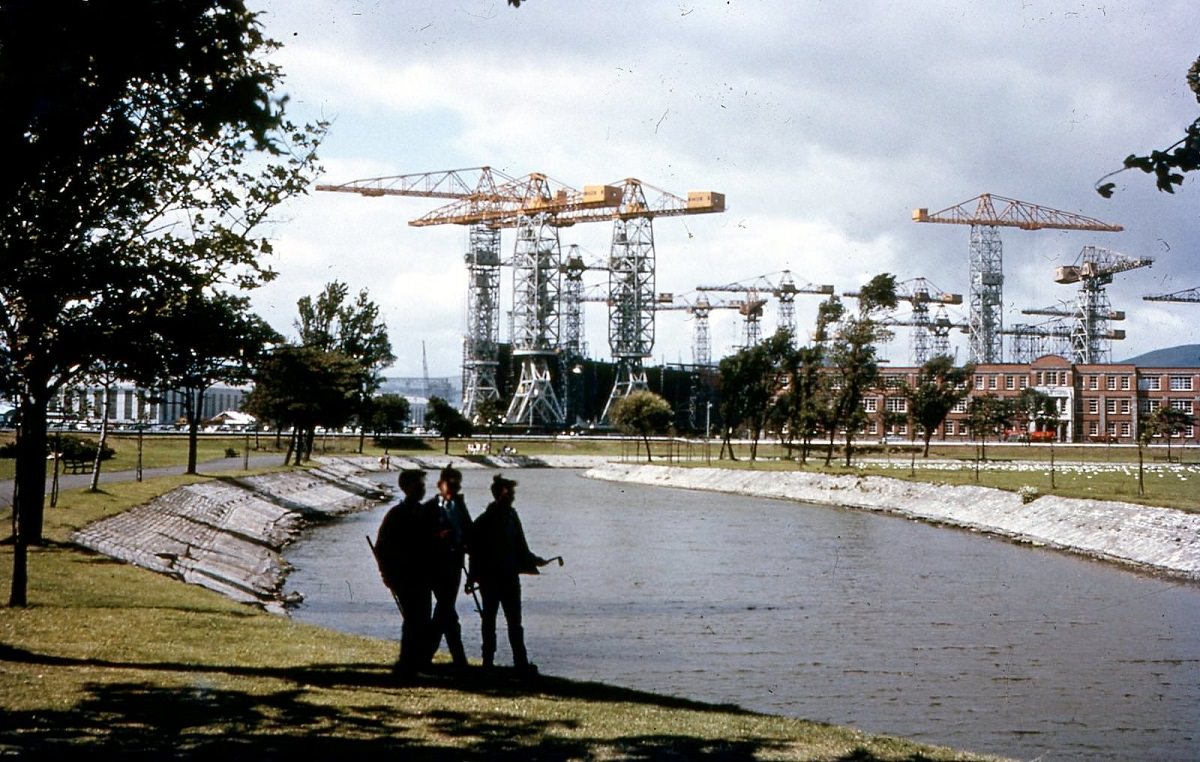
[{"x": 112, "y": 659}]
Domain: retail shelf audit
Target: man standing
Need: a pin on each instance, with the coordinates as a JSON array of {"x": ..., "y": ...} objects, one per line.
[
  {"x": 499, "y": 553},
  {"x": 452, "y": 521},
  {"x": 402, "y": 550}
]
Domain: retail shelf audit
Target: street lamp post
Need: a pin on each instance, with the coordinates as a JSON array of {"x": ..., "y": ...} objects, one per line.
[{"x": 707, "y": 432}]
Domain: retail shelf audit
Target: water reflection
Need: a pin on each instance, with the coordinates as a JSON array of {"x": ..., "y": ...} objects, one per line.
[{"x": 833, "y": 615}]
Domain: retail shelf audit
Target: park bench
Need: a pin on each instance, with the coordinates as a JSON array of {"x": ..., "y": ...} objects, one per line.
[{"x": 77, "y": 465}]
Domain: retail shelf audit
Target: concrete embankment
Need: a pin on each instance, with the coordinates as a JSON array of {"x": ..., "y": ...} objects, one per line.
[
  {"x": 1158, "y": 539},
  {"x": 227, "y": 534}
]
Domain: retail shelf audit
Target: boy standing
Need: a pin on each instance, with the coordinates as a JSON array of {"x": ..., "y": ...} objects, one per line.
[
  {"x": 499, "y": 553},
  {"x": 402, "y": 550}
]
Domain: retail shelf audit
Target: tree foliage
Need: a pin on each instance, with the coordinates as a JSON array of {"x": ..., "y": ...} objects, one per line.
[
  {"x": 354, "y": 329},
  {"x": 144, "y": 148},
  {"x": 853, "y": 356},
  {"x": 641, "y": 413},
  {"x": 387, "y": 413},
  {"x": 939, "y": 386},
  {"x": 301, "y": 388},
  {"x": 175, "y": 356},
  {"x": 1170, "y": 164},
  {"x": 446, "y": 419}
]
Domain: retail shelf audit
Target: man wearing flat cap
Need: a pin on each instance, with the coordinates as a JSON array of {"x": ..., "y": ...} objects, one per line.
[
  {"x": 402, "y": 549},
  {"x": 499, "y": 554}
]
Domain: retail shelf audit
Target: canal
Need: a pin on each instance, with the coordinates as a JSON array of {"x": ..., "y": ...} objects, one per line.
[{"x": 839, "y": 616}]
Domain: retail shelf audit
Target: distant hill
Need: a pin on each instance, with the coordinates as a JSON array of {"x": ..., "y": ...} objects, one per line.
[{"x": 1182, "y": 356}]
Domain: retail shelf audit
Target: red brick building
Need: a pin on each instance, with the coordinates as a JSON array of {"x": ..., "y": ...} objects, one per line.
[{"x": 1096, "y": 403}]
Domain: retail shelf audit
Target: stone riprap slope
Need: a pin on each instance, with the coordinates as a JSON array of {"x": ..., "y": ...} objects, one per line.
[
  {"x": 1159, "y": 539},
  {"x": 227, "y": 534}
]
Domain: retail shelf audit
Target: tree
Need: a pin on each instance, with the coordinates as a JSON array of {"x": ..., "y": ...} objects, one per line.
[
  {"x": 143, "y": 150},
  {"x": 177, "y": 357},
  {"x": 744, "y": 395},
  {"x": 641, "y": 413},
  {"x": 444, "y": 418},
  {"x": 986, "y": 414},
  {"x": 489, "y": 413},
  {"x": 302, "y": 388},
  {"x": 387, "y": 413},
  {"x": 1170, "y": 164},
  {"x": 853, "y": 356},
  {"x": 938, "y": 388},
  {"x": 353, "y": 329},
  {"x": 1038, "y": 408},
  {"x": 1167, "y": 422}
]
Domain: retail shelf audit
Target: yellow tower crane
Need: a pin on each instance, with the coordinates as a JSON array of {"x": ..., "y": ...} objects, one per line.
[{"x": 985, "y": 214}]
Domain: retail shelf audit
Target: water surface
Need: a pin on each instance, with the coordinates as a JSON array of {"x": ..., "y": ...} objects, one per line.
[{"x": 841, "y": 616}]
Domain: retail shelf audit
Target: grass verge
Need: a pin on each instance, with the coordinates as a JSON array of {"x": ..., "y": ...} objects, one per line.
[{"x": 113, "y": 660}]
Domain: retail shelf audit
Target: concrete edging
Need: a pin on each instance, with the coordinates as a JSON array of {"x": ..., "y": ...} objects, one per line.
[{"x": 1158, "y": 539}]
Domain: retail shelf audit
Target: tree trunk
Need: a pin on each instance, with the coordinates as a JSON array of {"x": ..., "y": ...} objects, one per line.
[
  {"x": 31, "y": 470},
  {"x": 928, "y": 436},
  {"x": 849, "y": 447},
  {"x": 29, "y": 494},
  {"x": 646, "y": 440},
  {"x": 95, "y": 485},
  {"x": 194, "y": 405}
]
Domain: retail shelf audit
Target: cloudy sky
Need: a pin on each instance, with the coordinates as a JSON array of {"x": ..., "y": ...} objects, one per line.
[{"x": 825, "y": 123}]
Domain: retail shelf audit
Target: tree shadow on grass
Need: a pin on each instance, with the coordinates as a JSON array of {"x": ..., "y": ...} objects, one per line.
[{"x": 203, "y": 720}]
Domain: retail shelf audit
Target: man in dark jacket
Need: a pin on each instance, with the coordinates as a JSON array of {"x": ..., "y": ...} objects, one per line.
[
  {"x": 452, "y": 522},
  {"x": 402, "y": 550},
  {"x": 499, "y": 553}
]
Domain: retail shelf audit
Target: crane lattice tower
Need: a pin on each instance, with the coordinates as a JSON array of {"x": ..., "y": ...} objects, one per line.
[
  {"x": 631, "y": 278},
  {"x": 478, "y": 185},
  {"x": 537, "y": 275},
  {"x": 986, "y": 255},
  {"x": 1091, "y": 337}
]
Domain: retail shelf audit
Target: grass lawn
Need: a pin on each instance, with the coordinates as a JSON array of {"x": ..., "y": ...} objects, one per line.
[{"x": 109, "y": 659}]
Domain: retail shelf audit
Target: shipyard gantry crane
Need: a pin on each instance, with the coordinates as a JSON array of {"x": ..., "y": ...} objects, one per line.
[
  {"x": 537, "y": 209},
  {"x": 1032, "y": 341},
  {"x": 782, "y": 286},
  {"x": 1072, "y": 347},
  {"x": 699, "y": 308},
  {"x": 926, "y": 335},
  {"x": 986, "y": 296},
  {"x": 1188, "y": 295},
  {"x": 482, "y": 187},
  {"x": 1093, "y": 271}
]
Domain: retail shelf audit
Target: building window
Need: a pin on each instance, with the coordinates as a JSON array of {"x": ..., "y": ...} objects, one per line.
[
  {"x": 1093, "y": 382},
  {"x": 1010, "y": 382},
  {"x": 1184, "y": 405},
  {"x": 949, "y": 427},
  {"x": 1150, "y": 383},
  {"x": 991, "y": 382},
  {"x": 1111, "y": 382},
  {"x": 1180, "y": 383},
  {"x": 1149, "y": 406},
  {"x": 1124, "y": 429},
  {"x": 1093, "y": 405},
  {"x": 1125, "y": 406},
  {"x": 960, "y": 406},
  {"x": 979, "y": 382},
  {"x": 1093, "y": 428},
  {"x": 1024, "y": 382},
  {"x": 895, "y": 405},
  {"x": 870, "y": 404},
  {"x": 1125, "y": 383},
  {"x": 1110, "y": 406}
]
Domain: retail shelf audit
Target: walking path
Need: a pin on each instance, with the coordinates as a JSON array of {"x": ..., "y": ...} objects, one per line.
[{"x": 75, "y": 481}]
